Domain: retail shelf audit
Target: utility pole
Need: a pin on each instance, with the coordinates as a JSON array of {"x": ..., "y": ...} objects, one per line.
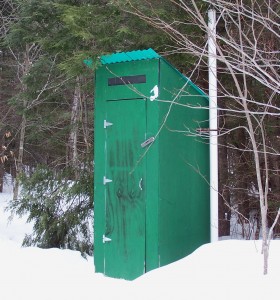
[{"x": 213, "y": 120}]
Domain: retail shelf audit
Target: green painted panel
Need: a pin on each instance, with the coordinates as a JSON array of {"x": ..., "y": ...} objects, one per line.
[
  {"x": 149, "y": 68},
  {"x": 152, "y": 205},
  {"x": 184, "y": 214},
  {"x": 99, "y": 171},
  {"x": 102, "y": 91},
  {"x": 125, "y": 195},
  {"x": 156, "y": 209}
]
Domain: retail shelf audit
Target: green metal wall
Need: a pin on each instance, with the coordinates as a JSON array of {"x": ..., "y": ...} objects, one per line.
[
  {"x": 156, "y": 209},
  {"x": 184, "y": 203}
]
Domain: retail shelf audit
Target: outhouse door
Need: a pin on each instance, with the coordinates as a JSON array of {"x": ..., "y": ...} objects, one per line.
[{"x": 124, "y": 180}]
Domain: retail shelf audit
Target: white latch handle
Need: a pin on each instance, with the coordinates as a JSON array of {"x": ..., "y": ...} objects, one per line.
[{"x": 155, "y": 93}]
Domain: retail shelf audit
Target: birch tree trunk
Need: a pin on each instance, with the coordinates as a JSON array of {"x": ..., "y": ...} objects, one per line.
[
  {"x": 85, "y": 123},
  {"x": 72, "y": 153},
  {"x": 19, "y": 161}
]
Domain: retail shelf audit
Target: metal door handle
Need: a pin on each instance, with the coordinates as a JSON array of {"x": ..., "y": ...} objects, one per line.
[
  {"x": 148, "y": 142},
  {"x": 106, "y": 180}
]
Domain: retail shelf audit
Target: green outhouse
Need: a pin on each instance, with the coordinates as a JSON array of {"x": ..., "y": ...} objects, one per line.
[{"x": 151, "y": 181}]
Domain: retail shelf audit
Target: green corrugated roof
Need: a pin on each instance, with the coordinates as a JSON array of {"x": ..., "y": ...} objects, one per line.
[{"x": 129, "y": 56}]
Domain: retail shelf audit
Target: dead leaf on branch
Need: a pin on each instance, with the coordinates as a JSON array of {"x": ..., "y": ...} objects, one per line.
[
  {"x": 8, "y": 134},
  {"x": 3, "y": 158}
]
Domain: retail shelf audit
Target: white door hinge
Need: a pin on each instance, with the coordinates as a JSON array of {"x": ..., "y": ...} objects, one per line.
[
  {"x": 105, "y": 239},
  {"x": 106, "y": 180},
  {"x": 107, "y": 124}
]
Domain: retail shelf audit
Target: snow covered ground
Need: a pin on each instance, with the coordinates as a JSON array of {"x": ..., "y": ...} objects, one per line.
[{"x": 229, "y": 269}]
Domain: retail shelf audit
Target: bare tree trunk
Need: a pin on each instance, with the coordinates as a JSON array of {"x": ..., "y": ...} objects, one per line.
[
  {"x": 247, "y": 49},
  {"x": 72, "y": 157},
  {"x": 19, "y": 161},
  {"x": 224, "y": 195},
  {"x": 85, "y": 123}
]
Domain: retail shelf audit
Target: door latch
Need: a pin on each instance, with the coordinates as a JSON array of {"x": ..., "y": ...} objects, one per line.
[{"x": 148, "y": 142}]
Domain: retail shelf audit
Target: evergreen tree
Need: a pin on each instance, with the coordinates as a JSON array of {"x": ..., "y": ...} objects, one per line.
[
  {"x": 60, "y": 209},
  {"x": 55, "y": 102}
]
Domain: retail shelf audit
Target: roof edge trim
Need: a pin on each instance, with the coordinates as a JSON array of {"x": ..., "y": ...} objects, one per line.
[{"x": 129, "y": 56}]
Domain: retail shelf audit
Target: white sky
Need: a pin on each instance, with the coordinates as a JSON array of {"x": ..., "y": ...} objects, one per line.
[{"x": 230, "y": 269}]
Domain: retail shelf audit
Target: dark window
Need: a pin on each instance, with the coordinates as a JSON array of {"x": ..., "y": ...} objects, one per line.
[{"x": 127, "y": 80}]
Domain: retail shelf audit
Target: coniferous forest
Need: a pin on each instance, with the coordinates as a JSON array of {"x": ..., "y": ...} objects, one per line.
[{"x": 47, "y": 102}]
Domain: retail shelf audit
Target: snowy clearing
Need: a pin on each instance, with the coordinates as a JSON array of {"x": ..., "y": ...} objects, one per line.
[{"x": 229, "y": 269}]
